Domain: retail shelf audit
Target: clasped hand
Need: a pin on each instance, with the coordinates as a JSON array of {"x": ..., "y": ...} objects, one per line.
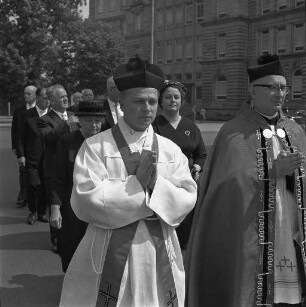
[
  {"x": 146, "y": 171},
  {"x": 288, "y": 162}
]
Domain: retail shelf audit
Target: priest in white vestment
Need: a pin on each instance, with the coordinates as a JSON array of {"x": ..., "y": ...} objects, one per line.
[{"x": 134, "y": 188}]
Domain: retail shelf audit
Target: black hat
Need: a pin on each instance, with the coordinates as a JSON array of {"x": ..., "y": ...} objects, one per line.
[
  {"x": 138, "y": 73},
  {"x": 267, "y": 65},
  {"x": 94, "y": 108}
]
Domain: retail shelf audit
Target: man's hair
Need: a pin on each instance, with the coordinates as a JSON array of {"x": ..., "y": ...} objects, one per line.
[
  {"x": 31, "y": 88},
  {"x": 86, "y": 90},
  {"x": 39, "y": 91},
  {"x": 52, "y": 90}
]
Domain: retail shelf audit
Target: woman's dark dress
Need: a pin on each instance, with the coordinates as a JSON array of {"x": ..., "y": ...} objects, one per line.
[
  {"x": 73, "y": 229},
  {"x": 188, "y": 137}
]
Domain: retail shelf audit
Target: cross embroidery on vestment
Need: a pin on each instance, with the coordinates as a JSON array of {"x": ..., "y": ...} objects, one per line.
[
  {"x": 108, "y": 296},
  {"x": 172, "y": 299}
]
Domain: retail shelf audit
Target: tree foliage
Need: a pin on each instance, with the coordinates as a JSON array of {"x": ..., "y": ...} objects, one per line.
[
  {"x": 43, "y": 42},
  {"x": 90, "y": 51}
]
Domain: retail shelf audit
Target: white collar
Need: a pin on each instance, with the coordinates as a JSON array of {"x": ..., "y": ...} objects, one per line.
[
  {"x": 137, "y": 140},
  {"x": 60, "y": 114},
  {"x": 40, "y": 111},
  {"x": 30, "y": 106}
]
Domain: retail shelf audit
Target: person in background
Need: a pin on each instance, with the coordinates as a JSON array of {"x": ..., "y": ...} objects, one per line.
[
  {"x": 74, "y": 103},
  {"x": 203, "y": 114},
  {"x": 71, "y": 229},
  {"x": 247, "y": 243},
  {"x": 30, "y": 101},
  {"x": 112, "y": 104},
  {"x": 30, "y": 148},
  {"x": 52, "y": 126},
  {"x": 133, "y": 187},
  {"x": 87, "y": 95},
  {"x": 184, "y": 133}
]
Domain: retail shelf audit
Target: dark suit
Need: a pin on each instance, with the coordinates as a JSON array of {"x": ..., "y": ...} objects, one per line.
[
  {"x": 73, "y": 229},
  {"x": 30, "y": 146},
  {"x": 15, "y": 128},
  {"x": 52, "y": 127},
  {"x": 108, "y": 120}
]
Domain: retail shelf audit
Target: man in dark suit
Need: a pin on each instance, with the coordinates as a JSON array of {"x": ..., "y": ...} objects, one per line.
[
  {"x": 111, "y": 105},
  {"x": 30, "y": 99},
  {"x": 52, "y": 126},
  {"x": 30, "y": 148},
  {"x": 62, "y": 216}
]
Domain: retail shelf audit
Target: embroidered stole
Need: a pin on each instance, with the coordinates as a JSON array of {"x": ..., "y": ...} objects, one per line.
[{"x": 122, "y": 238}]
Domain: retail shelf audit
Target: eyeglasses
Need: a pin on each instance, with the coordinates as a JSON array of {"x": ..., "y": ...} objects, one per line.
[{"x": 276, "y": 87}]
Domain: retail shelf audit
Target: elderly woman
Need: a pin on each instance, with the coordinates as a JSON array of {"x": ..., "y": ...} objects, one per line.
[
  {"x": 71, "y": 229},
  {"x": 183, "y": 132}
]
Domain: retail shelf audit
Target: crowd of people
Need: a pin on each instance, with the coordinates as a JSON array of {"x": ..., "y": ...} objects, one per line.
[{"x": 141, "y": 216}]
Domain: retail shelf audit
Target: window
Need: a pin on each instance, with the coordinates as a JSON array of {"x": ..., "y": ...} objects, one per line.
[
  {"x": 179, "y": 50},
  {"x": 159, "y": 52},
  {"x": 282, "y": 4},
  {"x": 221, "y": 45},
  {"x": 188, "y": 76},
  {"x": 265, "y": 6},
  {"x": 299, "y": 37},
  {"x": 281, "y": 40},
  {"x": 200, "y": 11},
  {"x": 169, "y": 17},
  {"x": 297, "y": 84},
  {"x": 199, "y": 49},
  {"x": 221, "y": 88},
  {"x": 169, "y": 51},
  {"x": 137, "y": 24},
  {"x": 179, "y": 15},
  {"x": 198, "y": 94},
  {"x": 221, "y": 8},
  {"x": 265, "y": 41},
  {"x": 112, "y": 5},
  {"x": 299, "y": 3},
  {"x": 168, "y": 77},
  {"x": 188, "y": 14},
  {"x": 101, "y": 5},
  {"x": 198, "y": 75},
  {"x": 159, "y": 20},
  {"x": 178, "y": 77},
  {"x": 188, "y": 49}
]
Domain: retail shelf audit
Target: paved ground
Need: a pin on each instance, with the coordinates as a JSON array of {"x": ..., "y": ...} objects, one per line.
[{"x": 30, "y": 274}]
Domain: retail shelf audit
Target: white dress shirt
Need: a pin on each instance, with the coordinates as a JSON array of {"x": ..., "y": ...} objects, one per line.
[{"x": 115, "y": 110}]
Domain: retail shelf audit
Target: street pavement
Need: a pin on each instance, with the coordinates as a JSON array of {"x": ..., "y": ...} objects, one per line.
[{"x": 30, "y": 273}]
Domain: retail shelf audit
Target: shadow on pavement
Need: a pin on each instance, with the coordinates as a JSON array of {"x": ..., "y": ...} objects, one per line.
[
  {"x": 32, "y": 291},
  {"x": 24, "y": 241},
  {"x": 5, "y": 220}
]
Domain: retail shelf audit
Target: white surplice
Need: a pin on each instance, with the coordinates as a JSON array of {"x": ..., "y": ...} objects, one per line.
[{"x": 107, "y": 198}]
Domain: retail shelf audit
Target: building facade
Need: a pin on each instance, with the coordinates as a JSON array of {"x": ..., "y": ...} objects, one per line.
[{"x": 208, "y": 44}]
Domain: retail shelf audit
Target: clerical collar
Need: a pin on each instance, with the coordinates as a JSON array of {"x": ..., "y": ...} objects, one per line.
[
  {"x": 271, "y": 119},
  {"x": 137, "y": 140}
]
